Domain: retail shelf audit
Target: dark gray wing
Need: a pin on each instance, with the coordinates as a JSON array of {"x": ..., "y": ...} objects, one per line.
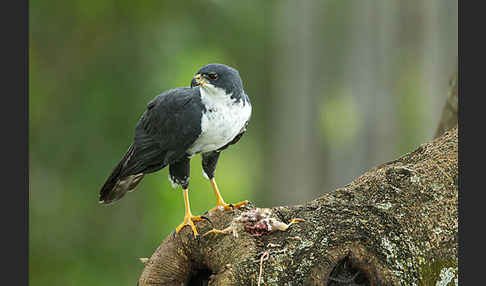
[{"x": 169, "y": 126}]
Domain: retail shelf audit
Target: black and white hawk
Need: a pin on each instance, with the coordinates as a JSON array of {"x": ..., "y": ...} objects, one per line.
[{"x": 182, "y": 122}]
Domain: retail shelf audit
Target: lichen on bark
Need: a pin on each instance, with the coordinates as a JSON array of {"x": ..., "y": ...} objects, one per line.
[{"x": 395, "y": 225}]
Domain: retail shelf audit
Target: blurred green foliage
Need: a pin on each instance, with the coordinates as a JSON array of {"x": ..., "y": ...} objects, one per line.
[{"x": 94, "y": 65}]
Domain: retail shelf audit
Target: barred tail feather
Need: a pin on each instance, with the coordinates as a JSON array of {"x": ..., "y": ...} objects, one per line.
[{"x": 119, "y": 183}]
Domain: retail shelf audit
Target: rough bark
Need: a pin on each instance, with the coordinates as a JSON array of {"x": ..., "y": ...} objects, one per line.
[{"x": 394, "y": 225}]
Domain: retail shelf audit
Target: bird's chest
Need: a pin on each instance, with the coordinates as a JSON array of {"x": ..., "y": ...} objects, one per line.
[{"x": 220, "y": 123}]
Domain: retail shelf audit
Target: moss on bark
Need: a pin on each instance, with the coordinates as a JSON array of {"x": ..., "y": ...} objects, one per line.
[{"x": 395, "y": 225}]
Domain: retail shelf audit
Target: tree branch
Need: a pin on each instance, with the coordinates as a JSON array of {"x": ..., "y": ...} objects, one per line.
[{"x": 395, "y": 225}]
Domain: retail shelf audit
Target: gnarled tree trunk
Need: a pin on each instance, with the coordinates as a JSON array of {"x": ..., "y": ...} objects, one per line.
[{"x": 395, "y": 225}]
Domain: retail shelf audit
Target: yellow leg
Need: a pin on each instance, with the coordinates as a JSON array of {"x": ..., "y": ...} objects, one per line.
[
  {"x": 189, "y": 219},
  {"x": 220, "y": 204}
]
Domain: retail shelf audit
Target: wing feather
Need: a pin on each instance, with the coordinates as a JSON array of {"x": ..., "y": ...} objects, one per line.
[{"x": 171, "y": 123}]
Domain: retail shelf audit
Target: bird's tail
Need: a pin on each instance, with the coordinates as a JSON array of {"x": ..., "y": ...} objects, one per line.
[{"x": 118, "y": 183}]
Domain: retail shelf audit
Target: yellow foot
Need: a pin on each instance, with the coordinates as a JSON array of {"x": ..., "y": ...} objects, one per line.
[
  {"x": 227, "y": 207},
  {"x": 189, "y": 220},
  {"x": 217, "y": 231}
]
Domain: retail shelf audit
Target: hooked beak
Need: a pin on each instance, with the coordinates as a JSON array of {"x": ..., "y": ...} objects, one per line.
[
  {"x": 198, "y": 80},
  {"x": 193, "y": 82}
]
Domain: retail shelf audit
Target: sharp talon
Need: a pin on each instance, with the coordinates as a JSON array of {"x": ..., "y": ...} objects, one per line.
[
  {"x": 206, "y": 218},
  {"x": 223, "y": 206},
  {"x": 197, "y": 218},
  {"x": 240, "y": 204},
  {"x": 296, "y": 220}
]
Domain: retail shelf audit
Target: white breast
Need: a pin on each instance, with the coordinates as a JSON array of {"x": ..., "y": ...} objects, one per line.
[{"x": 223, "y": 119}]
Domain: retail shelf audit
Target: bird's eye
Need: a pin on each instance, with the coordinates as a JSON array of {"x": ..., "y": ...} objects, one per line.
[{"x": 212, "y": 76}]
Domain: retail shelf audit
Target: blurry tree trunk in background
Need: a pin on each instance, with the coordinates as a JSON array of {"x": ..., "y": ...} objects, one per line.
[
  {"x": 368, "y": 74},
  {"x": 292, "y": 172},
  {"x": 449, "y": 116},
  {"x": 390, "y": 93},
  {"x": 438, "y": 37}
]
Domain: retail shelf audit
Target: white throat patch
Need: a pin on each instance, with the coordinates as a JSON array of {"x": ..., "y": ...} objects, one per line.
[
  {"x": 222, "y": 121},
  {"x": 210, "y": 90}
]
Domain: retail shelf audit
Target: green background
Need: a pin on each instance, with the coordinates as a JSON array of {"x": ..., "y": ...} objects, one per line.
[{"x": 337, "y": 87}]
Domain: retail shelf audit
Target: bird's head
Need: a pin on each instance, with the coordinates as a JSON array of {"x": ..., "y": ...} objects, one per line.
[{"x": 218, "y": 76}]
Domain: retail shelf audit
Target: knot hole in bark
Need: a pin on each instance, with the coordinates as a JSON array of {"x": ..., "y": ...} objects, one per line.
[
  {"x": 200, "y": 277},
  {"x": 345, "y": 273}
]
